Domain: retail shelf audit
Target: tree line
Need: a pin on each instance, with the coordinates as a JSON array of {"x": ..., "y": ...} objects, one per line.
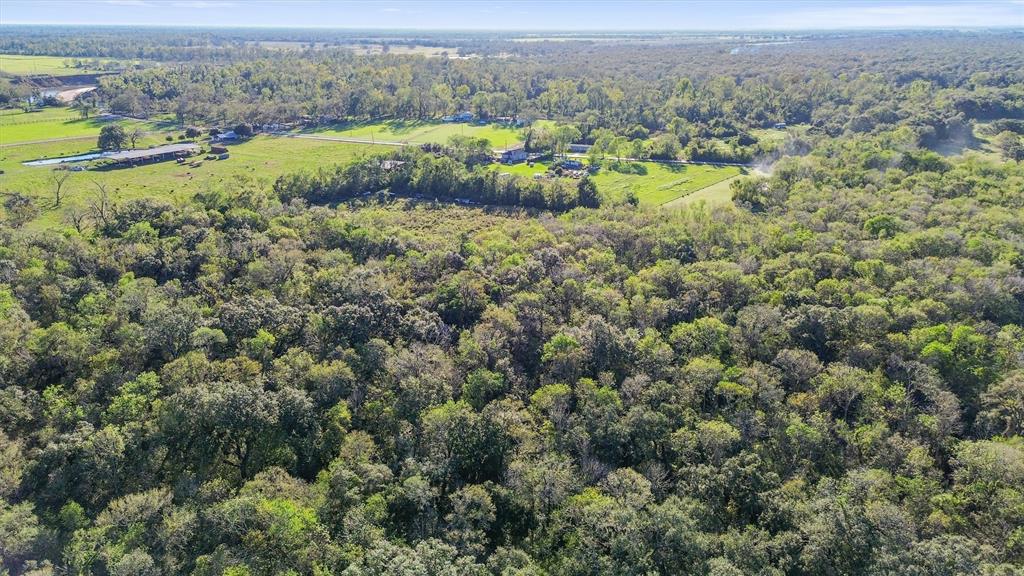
[{"x": 427, "y": 175}]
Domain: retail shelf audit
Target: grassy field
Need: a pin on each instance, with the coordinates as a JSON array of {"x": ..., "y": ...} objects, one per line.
[
  {"x": 18, "y": 126},
  {"x": 654, "y": 183},
  {"x": 978, "y": 142},
  {"x": 421, "y": 132},
  {"x": 716, "y": 194},
  {"x": 522, "y": 168},
  {"x": 770, "y": 135},
  {"x": 20, "y": 65},
  {"x": 657, "y": 184},
  {"x": 263, "y": 158}
]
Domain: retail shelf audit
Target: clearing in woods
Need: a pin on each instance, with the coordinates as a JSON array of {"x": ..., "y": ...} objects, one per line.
[
  {"x": 654, "y": 183},
  {"x": 260, "y": 159},
  {"x": 657, "y": 183}
]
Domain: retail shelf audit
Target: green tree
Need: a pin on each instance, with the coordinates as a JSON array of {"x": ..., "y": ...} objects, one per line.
[{"x": 112, "y": 137}]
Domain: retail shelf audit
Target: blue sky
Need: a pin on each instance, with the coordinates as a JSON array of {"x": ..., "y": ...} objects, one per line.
[{"x": 522, "y": 14}]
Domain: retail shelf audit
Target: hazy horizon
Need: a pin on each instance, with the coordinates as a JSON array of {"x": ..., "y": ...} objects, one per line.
[{"x": 522, "y": 16}]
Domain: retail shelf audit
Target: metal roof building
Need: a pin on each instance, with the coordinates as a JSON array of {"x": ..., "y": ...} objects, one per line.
[{"x": 166, "y": 152}]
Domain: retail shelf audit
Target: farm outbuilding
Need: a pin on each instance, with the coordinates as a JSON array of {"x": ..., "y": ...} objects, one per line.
[
  {"x": 157, "y": 154},
  {"x": 512, "y": 154},
  {"x": 460, "y": 117}
]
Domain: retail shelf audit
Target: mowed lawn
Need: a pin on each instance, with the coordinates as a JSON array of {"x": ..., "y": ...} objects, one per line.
[
  {"x": 522, "y": 168},
  {"x": 656, "y": 183},
  {"x": 260, "y": 160},
  {"x": 421, "y": 132},
  {"x": 21, "y": 65},
  {"x": 49, "y": 123}
]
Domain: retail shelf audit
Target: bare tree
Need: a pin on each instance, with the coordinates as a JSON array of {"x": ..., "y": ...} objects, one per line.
[
  {"x": 101, "y": 207},
  {"x": 59, "y": 176},
  {"x": 76, "y": 218},
  {"x": 135, "y": 135}
]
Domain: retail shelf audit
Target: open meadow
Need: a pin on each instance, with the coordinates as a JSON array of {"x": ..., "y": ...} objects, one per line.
[
  {"x": 657, "y": 183},
  {"x": 261, "y": 159},
  {"x": 654, "y": 183},
  {"x": 717, "y": 194},
  {"x": 17, "y": 126}
]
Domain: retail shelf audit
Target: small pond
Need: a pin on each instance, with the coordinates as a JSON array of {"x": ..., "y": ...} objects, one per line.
[{"x": 65, "y": 159}]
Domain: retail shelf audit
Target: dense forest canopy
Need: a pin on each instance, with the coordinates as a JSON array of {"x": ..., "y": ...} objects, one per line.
[
  {"x": 836, "y": 83},
  {"x": 824, "y": 377}
]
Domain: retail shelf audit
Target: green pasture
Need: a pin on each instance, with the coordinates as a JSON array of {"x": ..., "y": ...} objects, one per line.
[
  {"x": 716, "y": 194},
  {"x": 17, "y": 126},
  {"x": 261, "y": 159},
  {"x": 656, "y": 183},
  {"x": 21, "y": 65},
  {"x": 522, "y": 168}
]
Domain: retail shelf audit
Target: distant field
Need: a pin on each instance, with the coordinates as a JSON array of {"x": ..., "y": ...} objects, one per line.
[
  {"x": 655, "y": 183},
  {"x": 421, "y": 132},
  {"x": 263, "y": 158},
  {"x": 20, "y": 65},
  {"x": 17, "y": 126},
  {"x": 429, "y": 51}
]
